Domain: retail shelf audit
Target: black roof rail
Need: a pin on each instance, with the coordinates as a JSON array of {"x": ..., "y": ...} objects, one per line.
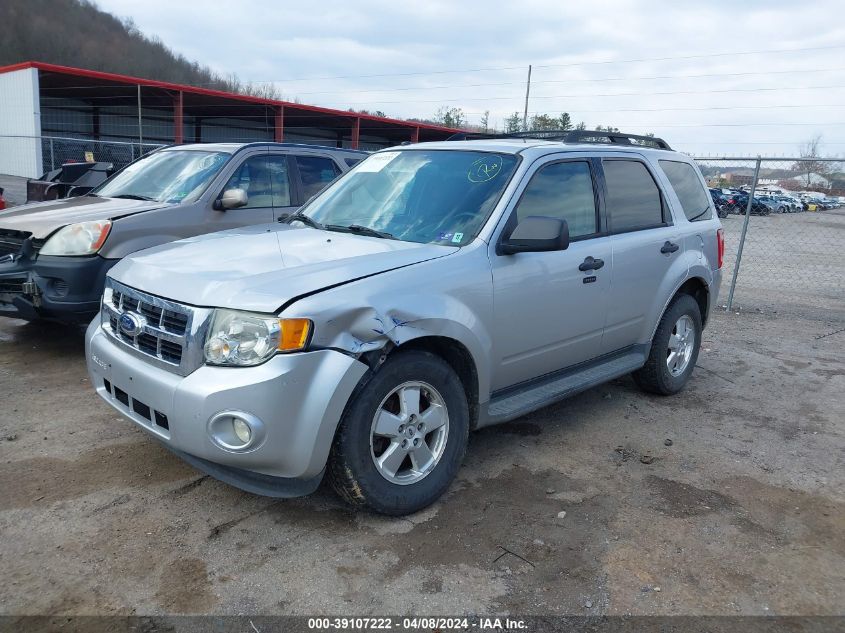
[{"x": 570, "y": 136}]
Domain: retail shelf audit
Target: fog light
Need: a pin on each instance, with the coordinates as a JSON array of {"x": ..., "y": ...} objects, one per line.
[
  {"x": 236, "y": 431},
  {"x": 241, "y": 430}
]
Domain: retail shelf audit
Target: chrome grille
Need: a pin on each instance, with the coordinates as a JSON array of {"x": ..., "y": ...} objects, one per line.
[
  {"x": 168, "y": 320},
  {"x": 171, "y": 334}
]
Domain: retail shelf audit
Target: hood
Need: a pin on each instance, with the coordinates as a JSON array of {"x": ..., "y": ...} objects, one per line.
[
  {"x": 41, "y": 219},
  {"x": 261, "y": 268}
]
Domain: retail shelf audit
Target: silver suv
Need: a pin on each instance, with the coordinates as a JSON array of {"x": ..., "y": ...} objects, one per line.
[{"x": 434, "y": 289}]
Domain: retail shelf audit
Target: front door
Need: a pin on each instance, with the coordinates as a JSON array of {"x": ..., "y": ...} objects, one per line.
[
  {"x": 254, "y": 176},
  {"x": 548, "y": 312}
]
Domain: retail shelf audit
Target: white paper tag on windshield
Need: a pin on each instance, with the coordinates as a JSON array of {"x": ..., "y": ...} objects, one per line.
[{"x": 376, "y": 162}]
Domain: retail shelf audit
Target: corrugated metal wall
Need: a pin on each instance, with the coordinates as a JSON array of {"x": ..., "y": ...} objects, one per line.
[{"x": 20, "y": 124}]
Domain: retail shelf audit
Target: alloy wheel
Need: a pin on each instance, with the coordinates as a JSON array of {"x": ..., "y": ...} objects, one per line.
[{"x": 409, "y": 433}]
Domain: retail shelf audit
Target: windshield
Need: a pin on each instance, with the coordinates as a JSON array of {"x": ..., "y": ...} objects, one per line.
[
  {"x": 435, "y": 196},
  {"x": 166, "y": 176}
]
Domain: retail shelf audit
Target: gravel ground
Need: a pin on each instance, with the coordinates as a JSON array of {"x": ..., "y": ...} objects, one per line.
[{"x": 726, "y": 499}]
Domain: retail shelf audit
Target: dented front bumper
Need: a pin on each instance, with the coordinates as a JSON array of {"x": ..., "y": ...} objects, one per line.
[{"x": 59, "y": 288}]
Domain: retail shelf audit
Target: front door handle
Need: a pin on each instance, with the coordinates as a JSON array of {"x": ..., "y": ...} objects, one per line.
[
  {"x": 591, "y": 264},
  {"x": 669, "y": 247}
]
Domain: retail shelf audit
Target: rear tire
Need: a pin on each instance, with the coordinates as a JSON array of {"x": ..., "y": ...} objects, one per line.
[
  {"x": 664, "y": 373},
  {"x": 402, "y": 437}
]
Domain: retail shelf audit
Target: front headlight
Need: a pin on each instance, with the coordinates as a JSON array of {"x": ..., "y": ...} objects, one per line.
[
  {"x": 85, "y": 238},
  {"x": 243, "y": 339}
]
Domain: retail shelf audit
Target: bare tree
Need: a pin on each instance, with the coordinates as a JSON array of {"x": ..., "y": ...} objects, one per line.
[
  {"x": 543, "y": 122},
  {"x": 450, "y": 116},
  {"x": 485, "y": 120},
  {"x": 812, "y": 171}
]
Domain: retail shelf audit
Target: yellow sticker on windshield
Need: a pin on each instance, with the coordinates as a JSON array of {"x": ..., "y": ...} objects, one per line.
[{"x": 485, "y": 169}]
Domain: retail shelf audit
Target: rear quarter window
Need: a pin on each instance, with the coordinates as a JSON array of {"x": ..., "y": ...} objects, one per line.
[{"x": 684, "y": 179}]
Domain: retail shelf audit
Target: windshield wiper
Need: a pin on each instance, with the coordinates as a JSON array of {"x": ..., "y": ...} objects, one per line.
[
  {"x": 360, "y": 230},
  {"x": 304, "y": 219},
  {"x": 132, "y": 196}
]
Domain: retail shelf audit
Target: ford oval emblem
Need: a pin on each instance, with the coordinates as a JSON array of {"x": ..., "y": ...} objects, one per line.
[{"x": 131, "y": 324}]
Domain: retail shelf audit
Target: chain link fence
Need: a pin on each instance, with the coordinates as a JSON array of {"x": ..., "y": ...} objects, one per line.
[
  {"x": 58, "y": 150},
  {"x": 784, "y": 222},
  {"x": 31, "y": 156}
]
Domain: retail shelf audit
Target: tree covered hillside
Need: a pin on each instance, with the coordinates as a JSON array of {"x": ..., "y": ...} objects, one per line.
[{"x": 77, "y": 33}]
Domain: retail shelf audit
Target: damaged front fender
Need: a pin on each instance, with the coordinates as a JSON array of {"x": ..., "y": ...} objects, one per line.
[{"x": 371, "y": 314}]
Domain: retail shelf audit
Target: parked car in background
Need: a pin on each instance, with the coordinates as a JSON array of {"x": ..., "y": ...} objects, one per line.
[
  {"x": 720, "y": 202},
  {"x": 739, "y": 204},
  {"x": 54, "y": 255},
  {"x": 775, "y": 205},
  {"x": 811, "y": 204},
  {"x": 435, "y": 289},
  {"x": 791, "y": 204}
]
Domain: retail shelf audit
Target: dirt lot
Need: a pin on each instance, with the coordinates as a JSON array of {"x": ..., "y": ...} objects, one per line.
[{"x": 743, "y": 512}]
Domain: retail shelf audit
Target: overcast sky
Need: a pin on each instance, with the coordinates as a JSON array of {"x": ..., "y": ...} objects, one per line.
[{"x": 677, "y": 69}]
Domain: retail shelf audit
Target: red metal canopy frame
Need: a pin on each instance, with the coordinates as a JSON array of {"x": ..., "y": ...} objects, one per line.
[{"x": 355, "y": 123}]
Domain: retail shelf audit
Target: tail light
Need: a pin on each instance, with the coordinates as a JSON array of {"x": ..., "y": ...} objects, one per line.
[{"x": 720, "y": 246}]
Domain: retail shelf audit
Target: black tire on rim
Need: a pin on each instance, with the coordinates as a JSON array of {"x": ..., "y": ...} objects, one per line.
[
  {"x": 664, "y": 373},
  {"x": 402, "y": 437}
]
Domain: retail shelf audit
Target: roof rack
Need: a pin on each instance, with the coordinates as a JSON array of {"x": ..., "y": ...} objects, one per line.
[{"x": 570, "y": 136}]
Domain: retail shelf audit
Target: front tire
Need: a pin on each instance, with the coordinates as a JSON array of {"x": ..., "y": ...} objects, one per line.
[
  {"x": 674, "y": 349},
  {"x": 402, "y": 437}
]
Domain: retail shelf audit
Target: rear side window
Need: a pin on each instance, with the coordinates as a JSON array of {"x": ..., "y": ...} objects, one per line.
[
  {"x": 687, "y": 185},
  {"x": 565, "y": 191},
  {"x": 316, "y": 172},
  {"x": 351, "y": 162},
  {"x": 633, "y": 199}
]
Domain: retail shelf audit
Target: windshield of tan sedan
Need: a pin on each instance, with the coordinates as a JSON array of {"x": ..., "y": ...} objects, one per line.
[
  {"x": 434, "y": 196},
  {"x": 167, "y": 176}
]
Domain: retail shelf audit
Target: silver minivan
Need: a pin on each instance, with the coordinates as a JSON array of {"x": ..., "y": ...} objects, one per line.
[
  {"x": 434, "y": 289},
  {"x": 54, "y": 255}
]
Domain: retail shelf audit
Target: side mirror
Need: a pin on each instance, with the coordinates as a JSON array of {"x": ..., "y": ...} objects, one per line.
[
  {"x": 537, "y": 234},
  {"x": 232, "y": 199}
]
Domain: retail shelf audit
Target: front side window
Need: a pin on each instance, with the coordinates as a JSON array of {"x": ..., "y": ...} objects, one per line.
[
  {"x": 565, "y": 191},
  {"x": 687, "y": 185},
  {"x": 633, "y": 199},
  {"x": 165, "y": 176},
  {"x": 265, "y": 180},
  {"x": 425, "y": 196},
  {"x": 316, "y": 172}
]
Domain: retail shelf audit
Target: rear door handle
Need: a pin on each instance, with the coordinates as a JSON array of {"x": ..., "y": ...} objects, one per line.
[
  {"x": 591, "y": 264},
  {"x": 669, "y": 247}
]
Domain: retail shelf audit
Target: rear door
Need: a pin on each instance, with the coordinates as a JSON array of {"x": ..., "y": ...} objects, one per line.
[
  {"x": 313, "y": 172},
  {"x": 644, "y": 242}
]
